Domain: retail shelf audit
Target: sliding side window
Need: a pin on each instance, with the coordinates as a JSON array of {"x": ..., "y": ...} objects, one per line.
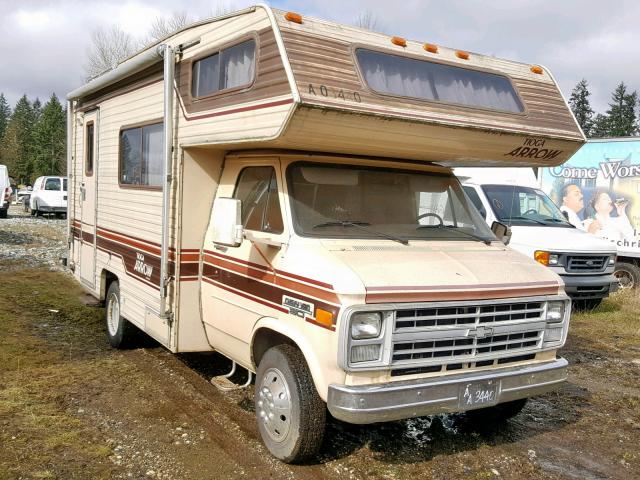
[
  {"x": 232, "y": 67},
  {"x": 141, "y": 156}
]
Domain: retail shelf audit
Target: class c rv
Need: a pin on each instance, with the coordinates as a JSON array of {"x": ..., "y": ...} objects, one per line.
[{"x": 278, "y": 189}]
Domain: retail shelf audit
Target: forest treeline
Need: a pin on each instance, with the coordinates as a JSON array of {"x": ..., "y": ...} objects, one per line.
[{"x": 33, "y": 138}]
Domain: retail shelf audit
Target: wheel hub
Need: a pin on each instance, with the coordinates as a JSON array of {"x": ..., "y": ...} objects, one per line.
[
  {"x": 273, "y": 405},
  {"x": 113, "y": 315},
  {"x": 625, "y": 279}
]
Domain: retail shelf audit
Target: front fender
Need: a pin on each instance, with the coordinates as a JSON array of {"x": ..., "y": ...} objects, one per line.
[{"x": 319, "y": 367}]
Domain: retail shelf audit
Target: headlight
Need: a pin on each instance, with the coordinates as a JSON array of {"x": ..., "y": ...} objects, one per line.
[
  {"x": 612, "y": 260},
  {"x": 546, "y": 258},
  {"x": 555, "y": 311},
  {"x": 555, "y": 331},
  {"x": 366, "y": 325}
]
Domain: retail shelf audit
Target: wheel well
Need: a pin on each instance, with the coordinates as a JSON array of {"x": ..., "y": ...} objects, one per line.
[
  {"x": 106, "y": 277},
  {"x": 266, "y": 338}
]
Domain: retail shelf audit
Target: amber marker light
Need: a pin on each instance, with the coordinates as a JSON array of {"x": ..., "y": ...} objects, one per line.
[
  {"x": 462, "y": 54},
  {"x": 430, "y": 47},
  {"x": 537, "y": 69},
  {"x": 541, "y": 257},
  {"x": 401, "y": 42},
  {"x": 324, "y": 318},
  {"x": 293, "y": 17}
]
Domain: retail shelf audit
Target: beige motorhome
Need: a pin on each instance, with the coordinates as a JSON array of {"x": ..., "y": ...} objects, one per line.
[{"x": 277, "y": 188}]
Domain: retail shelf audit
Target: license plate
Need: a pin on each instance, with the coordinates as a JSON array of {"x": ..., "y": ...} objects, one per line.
[{"x": 475, "y": 394}]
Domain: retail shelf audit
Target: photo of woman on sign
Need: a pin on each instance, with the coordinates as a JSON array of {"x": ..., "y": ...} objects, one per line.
[{"x": 603, "y": 224}]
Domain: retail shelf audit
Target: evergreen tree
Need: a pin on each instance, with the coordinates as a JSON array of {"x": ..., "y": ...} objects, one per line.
[
  {"x": 621, "y": 116},
  {"x": 5, "y": 115},
  {"x": 49, "y": 133},
  {"x": 37, "y": 110},
  {"x": 16, "y": 143},
  {"x": 600, "y": 127},
  {"x": 581, "y": 107}
]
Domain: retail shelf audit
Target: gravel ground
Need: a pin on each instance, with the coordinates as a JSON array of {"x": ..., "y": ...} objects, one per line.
[{"x": 34, "y": 241}]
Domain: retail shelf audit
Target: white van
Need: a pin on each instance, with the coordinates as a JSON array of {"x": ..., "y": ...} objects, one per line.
[
  {"x": 541, "y": 231},
  {"x": 5, "y": 191},
  {"x": 49, "y": 195}
]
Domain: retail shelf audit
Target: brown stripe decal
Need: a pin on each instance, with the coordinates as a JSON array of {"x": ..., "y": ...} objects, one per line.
[
  {"x": 217, "y": 274},
  {"x": 237, "y": 110}
]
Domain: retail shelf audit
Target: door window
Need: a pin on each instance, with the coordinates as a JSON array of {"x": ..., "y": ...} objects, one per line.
[
  {"x": 88, "y": 168},
  {"x": 257, "y": 189}
]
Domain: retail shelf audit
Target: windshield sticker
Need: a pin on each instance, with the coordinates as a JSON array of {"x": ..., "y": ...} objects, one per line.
[{"x": 298, "y": 307}]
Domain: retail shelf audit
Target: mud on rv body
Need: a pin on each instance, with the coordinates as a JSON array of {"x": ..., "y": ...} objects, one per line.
[{"x": 235, "y": 187}]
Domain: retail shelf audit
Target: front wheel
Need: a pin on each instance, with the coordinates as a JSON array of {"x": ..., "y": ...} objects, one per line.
[
  {"x": 291, "y": 415},
  {"x": 628, "y": 275},
  {"x": 121, "y": 333}
]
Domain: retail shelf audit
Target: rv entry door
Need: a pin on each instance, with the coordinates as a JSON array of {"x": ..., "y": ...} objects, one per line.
[{"x": 88, "y": 196}]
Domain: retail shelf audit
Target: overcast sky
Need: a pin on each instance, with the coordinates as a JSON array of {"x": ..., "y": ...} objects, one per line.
[{"x": 43, "y": 43}]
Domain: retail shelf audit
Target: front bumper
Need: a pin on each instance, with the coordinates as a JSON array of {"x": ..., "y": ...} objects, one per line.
[
  {"x": 416, "y": 398},
  {"x": 586, "y": 287}
]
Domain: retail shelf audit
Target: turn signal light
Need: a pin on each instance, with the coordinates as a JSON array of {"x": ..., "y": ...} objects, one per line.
[
  {"x": 541, "y": 257},
  {"x": 462, "y": 54},
  {"x": 430, "y": 47},
  {"x": 324, "y": 318},
  {"x": 401, "y": 42},
  {"x": 537, "y": 69},
  {"x": 293, "y": 17}
]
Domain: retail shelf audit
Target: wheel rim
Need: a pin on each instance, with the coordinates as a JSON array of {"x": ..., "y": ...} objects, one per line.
[
  {"x": 273, "y": 405},
  {"x": 113, "y": 314},
  {"x": 625, "y": 279}
]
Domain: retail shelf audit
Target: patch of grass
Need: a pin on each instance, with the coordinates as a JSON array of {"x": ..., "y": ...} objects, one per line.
[
  {"x": 46, "y": 333},
  {"x": 614, "y": 326}
]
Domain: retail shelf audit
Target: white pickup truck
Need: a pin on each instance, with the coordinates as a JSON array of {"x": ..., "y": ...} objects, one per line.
[
  {"x": 541, "y": 231},
  {"x": 49, "y": 195}
]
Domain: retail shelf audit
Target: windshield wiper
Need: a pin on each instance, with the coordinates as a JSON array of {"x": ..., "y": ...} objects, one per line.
[
  {"x": 362, "y": 226},
  {"x": 523, "y": 218},
  {"x": 485, "y": 240}
]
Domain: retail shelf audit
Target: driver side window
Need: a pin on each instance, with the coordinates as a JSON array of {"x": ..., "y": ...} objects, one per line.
[{"x": 257, "y": 188}]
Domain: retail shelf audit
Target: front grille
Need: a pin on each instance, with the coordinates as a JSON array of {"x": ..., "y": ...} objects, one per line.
[
  {"x": 474, "y": 334},
  {"x": 586, "y": 263}
]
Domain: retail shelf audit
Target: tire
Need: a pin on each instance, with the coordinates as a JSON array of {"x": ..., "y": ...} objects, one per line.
[
  {"x": 628, "y": 275},
  {"x": 586, "y": 305},
  {"x": 3, "y": 213},
  {"x": 33, "y": 212},
  {"x": 292, "y": 427},
  {"x": 120, "y": 332},
  {"x": 498, "y": 413}
]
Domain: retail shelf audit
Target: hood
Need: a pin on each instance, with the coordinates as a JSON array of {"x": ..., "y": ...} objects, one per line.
[
  {"x": 559, "y": 239},
  {"x": 442, "y": 271}
]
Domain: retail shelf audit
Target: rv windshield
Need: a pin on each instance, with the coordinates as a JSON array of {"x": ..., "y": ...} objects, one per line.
[
  {"x": 349, "y": 201},
  {"x": 523, "y": 206}
]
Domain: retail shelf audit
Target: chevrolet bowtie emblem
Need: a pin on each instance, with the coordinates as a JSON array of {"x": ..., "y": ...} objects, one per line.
[{"x": 481, "y": 332}]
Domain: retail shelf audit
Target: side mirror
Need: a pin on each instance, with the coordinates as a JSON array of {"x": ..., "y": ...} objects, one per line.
[
  {"x": 226, "y": 222},
  {"x": 502, "y": 231},
  {"x": 566, "y": 214}
]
